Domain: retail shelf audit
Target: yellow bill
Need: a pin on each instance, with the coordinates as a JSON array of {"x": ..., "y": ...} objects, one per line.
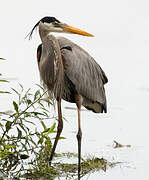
[{"x": 74, "y": 30}]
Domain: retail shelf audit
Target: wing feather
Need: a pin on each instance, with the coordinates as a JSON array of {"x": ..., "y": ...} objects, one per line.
[{"x": 83, "y": 71}]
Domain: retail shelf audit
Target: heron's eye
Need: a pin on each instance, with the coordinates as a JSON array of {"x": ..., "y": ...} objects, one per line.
[{"x": 56, "y": 24}]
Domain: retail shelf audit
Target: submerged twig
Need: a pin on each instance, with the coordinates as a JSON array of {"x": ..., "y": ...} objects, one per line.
[{"x": 118, "y": 145}]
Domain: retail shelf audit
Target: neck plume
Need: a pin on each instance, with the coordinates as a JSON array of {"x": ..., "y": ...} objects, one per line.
[{"x": 51, "y": 66}]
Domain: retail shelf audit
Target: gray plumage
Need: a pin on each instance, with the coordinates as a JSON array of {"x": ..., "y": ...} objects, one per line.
[
  {"x": 72, "y": 65},
  {"x": 51, "y": 67}
]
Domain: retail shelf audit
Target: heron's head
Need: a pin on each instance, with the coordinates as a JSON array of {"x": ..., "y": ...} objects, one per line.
[{"x": 51, "y": 24}]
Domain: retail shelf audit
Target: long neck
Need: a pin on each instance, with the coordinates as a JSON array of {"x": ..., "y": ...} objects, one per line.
[
  {"x": 51, "y": 67},
  {"x": 43, "y": 35},
  {"x": 43, "y": 32}
]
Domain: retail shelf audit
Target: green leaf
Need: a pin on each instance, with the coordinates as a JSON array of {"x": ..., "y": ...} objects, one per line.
[
  {"x": 62, "y": 138},
  {"x": 52, "y": 129},
  {"x": 5, "y": 92},
  {"x": 40, "y": 86},
  {"x": 44, "y": 126},
  {"x": 33, "y": 141},
  {"x": 2, "y": 59},
  {"x": 15, "y": 106},
  {"x": 45, "y": 114},
  {"x": 29, "y": 101},
  {"x": 37, "y": 113},
  {"x": 19, "y": 133},
  {"x": 15, "y": 91},
  {"x": 29, "y": 121},
  {"x": 2, "y": 80},
  {"x": 49, "y": 144},
  {"x": 40, "y": 140},
  {"x": 36, "y": 94},
  {"x": 24, "y": 146},
  {"x": 21, "y": 86},
  {"x": 8, "y": 125},
  {"x": 23, "y": 128}
]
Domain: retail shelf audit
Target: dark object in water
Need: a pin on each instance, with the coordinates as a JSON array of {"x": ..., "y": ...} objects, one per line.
[{"x": 118, "y": 145}]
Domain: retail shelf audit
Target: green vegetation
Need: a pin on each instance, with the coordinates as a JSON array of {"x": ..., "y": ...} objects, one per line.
[{"x": 20, "y": 139}]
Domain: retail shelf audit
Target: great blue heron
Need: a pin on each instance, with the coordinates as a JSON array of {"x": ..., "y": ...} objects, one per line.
[{"x": 70, "y": 73}]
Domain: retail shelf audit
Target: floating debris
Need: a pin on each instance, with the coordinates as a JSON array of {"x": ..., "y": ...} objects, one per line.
[{"x": 118, "y": 145}]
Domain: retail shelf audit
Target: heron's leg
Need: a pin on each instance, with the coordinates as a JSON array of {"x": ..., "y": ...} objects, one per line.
[
  {"x": 79, "y": 135},
  {"x": 59, "y": 129}
]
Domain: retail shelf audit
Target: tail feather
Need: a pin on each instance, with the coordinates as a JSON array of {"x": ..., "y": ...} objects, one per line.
[{"x": 96, "y": 107}]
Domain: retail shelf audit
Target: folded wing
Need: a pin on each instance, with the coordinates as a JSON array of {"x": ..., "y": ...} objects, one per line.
[{"x": 83, "y": 71}]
